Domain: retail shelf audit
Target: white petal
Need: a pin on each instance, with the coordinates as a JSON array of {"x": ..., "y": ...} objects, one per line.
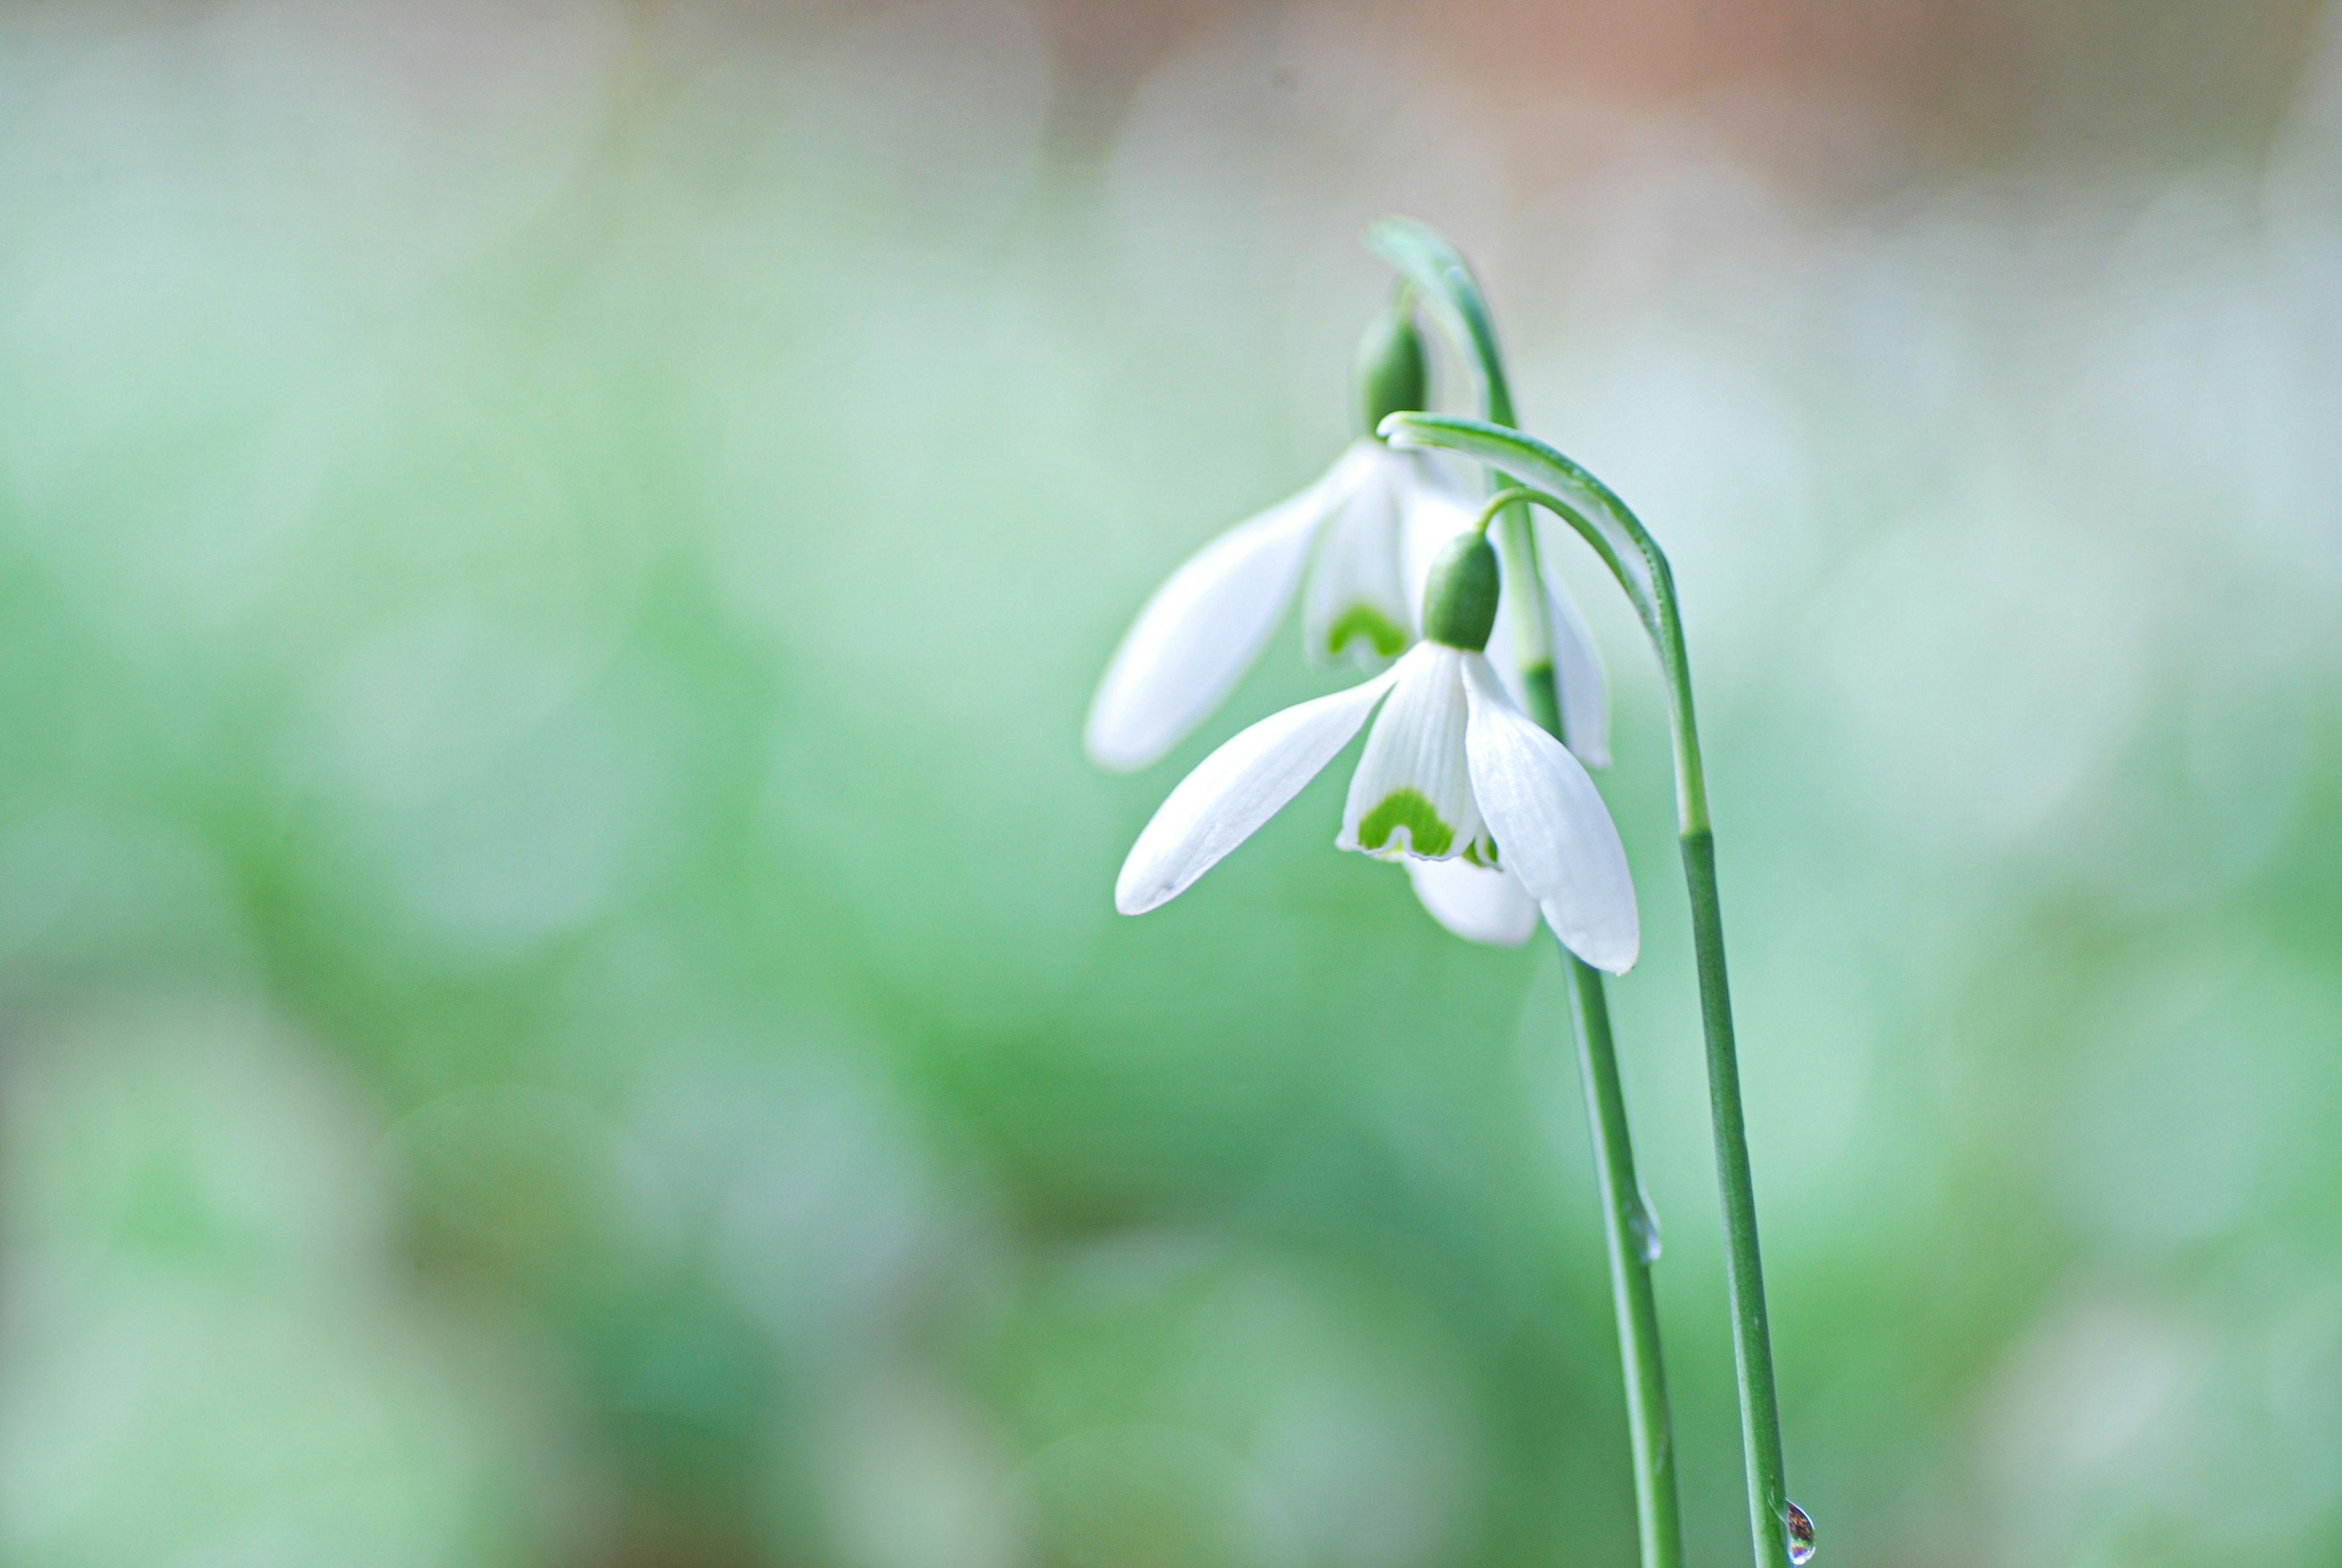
[
  {"x": 1235, "y": 789},
  {"x": 1432, "y": 510},
  {"x": 1412, "y": 793},
  {"x": 1205, "y": 627},
  {"x": 1552, "y": 830},
  {"x": 1584, "y": 685},
  {"x": 1578, "y": 676},
  {"x": 1505, "y": 653},
  {"x": 1355, "y": 599},
  {"x": 1474, "y": 902}
]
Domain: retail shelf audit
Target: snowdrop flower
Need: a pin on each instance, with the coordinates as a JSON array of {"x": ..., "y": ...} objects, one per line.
[
  {"x": 1353, "y": 546},
  {"x": 1453, "y": 772},
  {"x": 1488, "y": 904}
]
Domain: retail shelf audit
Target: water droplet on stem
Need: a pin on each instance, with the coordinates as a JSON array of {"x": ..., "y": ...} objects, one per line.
[
  {"x": 1644, "y": 1222},
  {"x": 1801, "y": 1534}
]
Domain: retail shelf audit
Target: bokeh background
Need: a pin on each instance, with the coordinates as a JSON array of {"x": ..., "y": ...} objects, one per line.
[{"x": 559, "y": 1000}]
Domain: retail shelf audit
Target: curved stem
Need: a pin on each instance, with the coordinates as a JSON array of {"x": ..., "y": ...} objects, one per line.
[
  {"x": 1619, "y": 538},
  {"x": 1424, "y": 258}
]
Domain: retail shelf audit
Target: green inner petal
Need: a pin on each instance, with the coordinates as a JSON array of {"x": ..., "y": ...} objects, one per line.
[
  {"x": 1386, "y": 638},
  {"x": 1412, "y": 810},
  {"x": 1475, "y": 853}
]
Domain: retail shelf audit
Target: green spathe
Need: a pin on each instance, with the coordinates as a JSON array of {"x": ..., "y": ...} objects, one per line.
[
  {"x": 1460, "y": 597},
  {"x": 1390, "y": 375},
  {"x": 1412, "y": 810}
]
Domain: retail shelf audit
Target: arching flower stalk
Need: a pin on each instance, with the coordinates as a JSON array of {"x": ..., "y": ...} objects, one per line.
[{"x": 1783, "y": 1534}]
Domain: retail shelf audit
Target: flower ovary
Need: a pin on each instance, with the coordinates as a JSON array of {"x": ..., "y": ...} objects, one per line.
[
  {"x": 1390, "y": 377},
  {"x": 1459, "y": 598}
]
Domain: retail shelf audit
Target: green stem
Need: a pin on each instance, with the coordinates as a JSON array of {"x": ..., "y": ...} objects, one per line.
[
  {"x": 1635, "y": 558},
  {"x": 1424, "y": 259},
  {"x": 1632, "y": 1235},
  {"x": 1751, "y": 1336}
]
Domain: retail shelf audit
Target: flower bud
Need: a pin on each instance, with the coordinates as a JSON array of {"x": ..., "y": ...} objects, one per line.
[
  {"x": 1390, "y": 373},
  {"x": 1459, "y": 599}
]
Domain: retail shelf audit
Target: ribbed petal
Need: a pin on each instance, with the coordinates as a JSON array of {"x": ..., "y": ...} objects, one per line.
[
  {"x": 1474, "y": 903},
  {"x": 1235, "y": 789},
  {"x": 1412, "y": 793},
  {"x": 1205, "y": 627},
  {"x": 1550, "y": 826},
  {"x": 1355, "y": 599}
]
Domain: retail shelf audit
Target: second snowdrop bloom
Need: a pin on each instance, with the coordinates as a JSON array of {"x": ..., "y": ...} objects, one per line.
[
  {"x": 1351, "y": 547},
  {"x": 1453, "y": 772}
]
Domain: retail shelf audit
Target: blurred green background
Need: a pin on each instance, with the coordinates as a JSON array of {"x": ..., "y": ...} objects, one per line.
[{"x": 559, "y": 1000}]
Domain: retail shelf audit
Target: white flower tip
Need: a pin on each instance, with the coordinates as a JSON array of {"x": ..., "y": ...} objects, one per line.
[
  {"x": 1136, "y": 891},
  {"x": 1112, "y": 745},
  {"x": 1611, "y": 946},
  {"x": 1235, "y": 789},
  {"x": 1485, "y": 906}
]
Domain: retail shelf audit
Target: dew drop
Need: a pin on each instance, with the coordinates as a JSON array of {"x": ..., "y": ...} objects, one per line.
[
  {"x": 1644, "y": 1222},
  {"x": 1801, "y": 1535}
]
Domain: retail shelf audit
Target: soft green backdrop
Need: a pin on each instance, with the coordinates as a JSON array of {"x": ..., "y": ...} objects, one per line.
[{"x": 559, "y": 999}]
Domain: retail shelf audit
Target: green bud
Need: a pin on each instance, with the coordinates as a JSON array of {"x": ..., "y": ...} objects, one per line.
[
  {"x": 1390, "y": 375},
  {"x": 1459, "y": 600}
]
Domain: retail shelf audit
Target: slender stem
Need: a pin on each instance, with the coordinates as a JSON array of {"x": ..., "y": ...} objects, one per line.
[
  {"x": 1628, "y": 1229},
  {"x": 1624, "y": 544},
  {"x": 1426, "y": 260},
  {"x": 1751, "y": 1336},
  {"x": 1633, "y": 1235}
]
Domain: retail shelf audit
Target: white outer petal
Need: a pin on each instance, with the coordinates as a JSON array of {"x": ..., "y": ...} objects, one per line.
[
  {"x": 1474, "y": 903},
  {"x": 1205, "y": 625},
  {"x": 1578, "y": 675},
  {"x": 1551, "y": 827},
  {"x": 1237, "y": 789},
  {"x": 1503, "y": 653}
]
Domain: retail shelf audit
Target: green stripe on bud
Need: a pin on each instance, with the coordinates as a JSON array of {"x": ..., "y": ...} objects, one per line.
[
  {"x": 1390, "y": 375},
  {"x": 1459, "y": 599}
]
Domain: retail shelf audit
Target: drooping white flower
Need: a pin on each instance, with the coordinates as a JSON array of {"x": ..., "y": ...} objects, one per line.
[
  {"x": 1453, "y": 773},
  {"x": 1487, "y": 903},
  {"x": 1344, "y": 544}
]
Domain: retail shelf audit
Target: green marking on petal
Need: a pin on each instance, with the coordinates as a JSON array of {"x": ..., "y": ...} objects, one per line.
[
  {"x": 1411, "y": 810},
  {"x": 1482, "y": 852},
  {"x": 1387, "y": 638}
]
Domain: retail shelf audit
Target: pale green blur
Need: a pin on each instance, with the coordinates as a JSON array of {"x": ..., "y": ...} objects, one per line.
[{"x": 562, "y": 1001}]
